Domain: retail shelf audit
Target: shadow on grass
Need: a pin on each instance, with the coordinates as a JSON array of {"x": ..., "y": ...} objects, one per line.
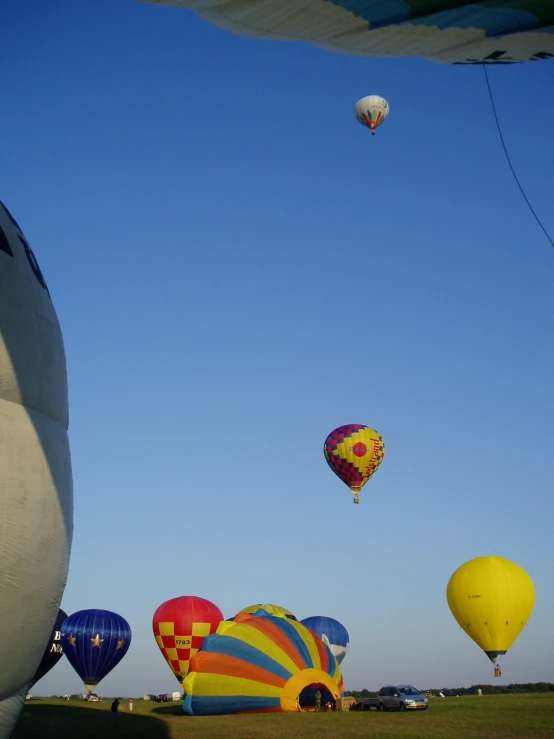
[
  {"x": 80, "y": 722},
  {"x": 173, "y": 709}
]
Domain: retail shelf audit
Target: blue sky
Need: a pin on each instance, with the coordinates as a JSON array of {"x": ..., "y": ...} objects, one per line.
[{"x": 238, "y": 268}]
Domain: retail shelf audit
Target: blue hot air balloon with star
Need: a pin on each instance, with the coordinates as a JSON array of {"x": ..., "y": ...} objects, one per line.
[
  {"x": 331, "y": 632},
  {"x": 95, "y": 641}
]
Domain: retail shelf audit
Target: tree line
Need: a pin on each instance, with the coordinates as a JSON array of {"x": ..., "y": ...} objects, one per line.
[{"x": 473, "y": 690}]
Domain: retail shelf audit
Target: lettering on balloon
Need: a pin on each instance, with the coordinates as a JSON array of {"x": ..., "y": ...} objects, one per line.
[
  {"x": 182, "y": 642},
  {"x": 370, "y": 469},
  {"x": 56, "y": 648},
  {"x": 499, "y": 57},
  {"x": 33, "y": 263},
  {"x": 7, "y": 249},
  {"x": 473, "y": 596},
  {"x": 5, "y": 244}
]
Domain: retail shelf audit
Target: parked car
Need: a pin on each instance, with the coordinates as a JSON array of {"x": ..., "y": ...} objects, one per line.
[
  {"x": 444, "y": 693},
  {"x": 92, "y": 698},
  {"x": 401, "y": 697},
  {"x": 162, "y": 698}
]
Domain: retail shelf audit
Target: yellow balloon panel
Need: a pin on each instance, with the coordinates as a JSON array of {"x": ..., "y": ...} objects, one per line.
[{"x": 491, "y": 598}]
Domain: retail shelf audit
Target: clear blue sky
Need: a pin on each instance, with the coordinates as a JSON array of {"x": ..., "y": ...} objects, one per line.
[{"x": 239, "y": 267}]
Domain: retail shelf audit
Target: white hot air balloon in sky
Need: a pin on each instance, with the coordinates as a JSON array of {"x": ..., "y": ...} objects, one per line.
[
  {"x": 36, "y": 487},
  {"x": 371, "y": 111}
]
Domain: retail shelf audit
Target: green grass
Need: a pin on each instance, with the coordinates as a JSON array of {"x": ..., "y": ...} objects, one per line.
[{"x": 525, "y": 716}]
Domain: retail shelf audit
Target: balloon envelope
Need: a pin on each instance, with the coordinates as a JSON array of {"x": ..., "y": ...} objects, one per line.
[
  {"x": 354, "y": 453},
  {"x": 258, "y": 664},
  {"x": 331, "y": 632},
  {"x": 180, "y": 625},
  {"x": 269, "y": 608},
  {"x": 491, "y": 598},
  {"x": 95, "y": 641},
  {"x": 371, "y": 111},
  {"x": 54, "y": 650},
  {"x": 36, "y": 486},
  {"x": 499, "y": 32}
]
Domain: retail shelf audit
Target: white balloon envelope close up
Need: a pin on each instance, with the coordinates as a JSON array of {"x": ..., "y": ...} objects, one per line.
[
  {"x": 36, "y": 486},
  {"x": 448, "y": 31}
]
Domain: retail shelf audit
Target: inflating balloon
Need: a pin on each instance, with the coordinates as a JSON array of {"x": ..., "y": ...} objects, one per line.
[
  {"x": 95, "y": 641},
  {"x": 36, "y": 488},
  {"x": 259, "y": 663},
  {"x": 492, "y": 599},
  {"x": 456, "y": 32},
  {"x": 331, "y": 632},
  {"x": 53, "y": 652},
  {"x": 371, "y": 111},
  {"x": 354, "y": 453},
  {"x": 180, "y": 625}
]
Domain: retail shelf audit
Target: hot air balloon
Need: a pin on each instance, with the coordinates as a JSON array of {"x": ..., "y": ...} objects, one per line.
[
  {"x": 331, "y": 632},
  {"x": 371, "y": 111},
  {"x": 455, "y": 32},
  {"x": 491, "y": 598},
  {"x": 95, "y": 641},
  {"x": 180, "y": 625},
  {"x": 53, "y": 652},
  {"x": 354, "y": 453},
  {"x": 260, "y": 663},
  {"x": 268, "y": 608},
  {"x": 36, "y": 486}
]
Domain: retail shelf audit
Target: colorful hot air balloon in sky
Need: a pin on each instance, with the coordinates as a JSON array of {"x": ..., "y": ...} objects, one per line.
[
  {"x": 371, "y": 111},
  {"x": 354, "y": 453},
  {"x": 492, "y": 599},
  {"x": 489, "y": 31},
  {"x": 259, "y": 663},
  {"x": 268, "y": 608},
  {"x": 95, "y": 641},
  {"x": 331, "y": 632},
  {"x": 180, "y": 625},
  {"x": 53, "y": 652}
]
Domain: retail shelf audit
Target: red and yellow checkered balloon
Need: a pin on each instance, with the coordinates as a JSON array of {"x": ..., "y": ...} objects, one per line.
[
  {"x": 354, "y": 453},
  {"x": 180, "y": 625}
]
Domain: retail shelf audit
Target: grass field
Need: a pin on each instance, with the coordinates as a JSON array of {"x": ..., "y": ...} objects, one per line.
[{"x": 526, "y": 716}]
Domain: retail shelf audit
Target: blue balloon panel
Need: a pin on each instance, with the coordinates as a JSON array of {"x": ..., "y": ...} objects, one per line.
[{"x": 331, "y": 632}]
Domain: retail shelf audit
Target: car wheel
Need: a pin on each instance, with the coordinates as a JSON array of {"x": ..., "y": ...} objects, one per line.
[
  {"x": 402, "y": 706},
  {"x": 382, "y": 707}
]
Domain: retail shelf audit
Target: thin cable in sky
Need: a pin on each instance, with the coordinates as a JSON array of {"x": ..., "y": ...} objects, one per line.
[{"x": 508, "y": 158}]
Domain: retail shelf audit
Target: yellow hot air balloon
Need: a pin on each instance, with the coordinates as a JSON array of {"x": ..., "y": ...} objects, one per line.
[{"x": 491, "y": 598}]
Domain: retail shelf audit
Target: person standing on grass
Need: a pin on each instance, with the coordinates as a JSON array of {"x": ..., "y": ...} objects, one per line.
[{"x": 115, "y": 707}]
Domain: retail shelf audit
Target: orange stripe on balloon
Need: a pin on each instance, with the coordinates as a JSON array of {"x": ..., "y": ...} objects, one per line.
[
  {"x": 273, "y": 632},
  {"x": 323, "y": 656},
  {"x": 223, "y": 664},
  {"x": 242, "y": 616}
]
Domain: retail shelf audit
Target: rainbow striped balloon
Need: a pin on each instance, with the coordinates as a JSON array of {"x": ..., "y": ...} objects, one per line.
[{"x": 259, "y": 663}]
